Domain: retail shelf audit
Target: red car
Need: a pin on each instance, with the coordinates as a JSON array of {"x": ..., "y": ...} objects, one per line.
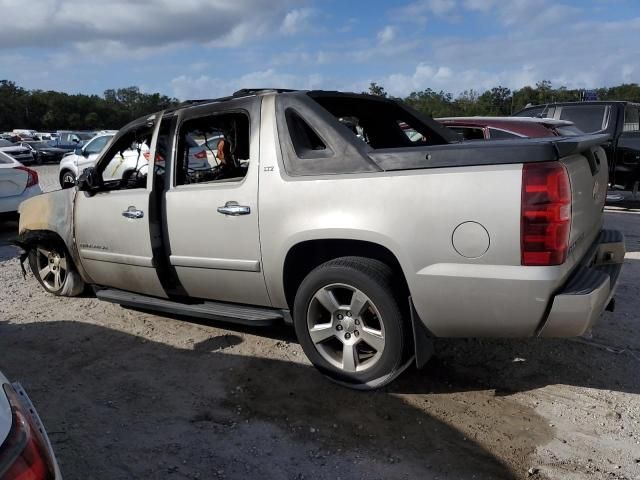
[{"x": 503, "y": 128}]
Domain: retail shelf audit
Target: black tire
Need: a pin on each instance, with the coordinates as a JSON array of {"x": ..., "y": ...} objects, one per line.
[
  {"x": 37, "y": 159},
  {"x": 67, "y": 179},
  {"x": 57, "y": 280},
  {"x": 376, "y": 281}
]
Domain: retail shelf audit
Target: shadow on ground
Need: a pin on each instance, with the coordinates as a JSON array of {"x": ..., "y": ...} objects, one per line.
[{"x": 117, "y": 406}]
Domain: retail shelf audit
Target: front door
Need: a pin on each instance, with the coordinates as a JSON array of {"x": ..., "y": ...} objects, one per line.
[
  {"x": 212, "y": 213},
  {"x": 114, "y": 225}
]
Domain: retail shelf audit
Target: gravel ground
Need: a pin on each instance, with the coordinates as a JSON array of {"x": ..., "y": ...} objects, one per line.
[{"x": 127, "y": 394}]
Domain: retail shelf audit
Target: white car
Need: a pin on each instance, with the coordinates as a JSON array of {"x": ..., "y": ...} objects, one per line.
[
  {"x": 17, "y": 183},
  {"x": 135, "y": 158},
  {"x": 25, "y": 449},
  {"x": 74, "y": 163}
]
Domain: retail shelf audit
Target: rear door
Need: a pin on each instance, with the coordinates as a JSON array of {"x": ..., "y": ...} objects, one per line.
[{"x": 212, "y": 215}]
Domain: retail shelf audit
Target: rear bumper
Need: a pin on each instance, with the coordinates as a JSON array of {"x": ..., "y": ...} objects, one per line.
[{"x": 579, "y": 304}]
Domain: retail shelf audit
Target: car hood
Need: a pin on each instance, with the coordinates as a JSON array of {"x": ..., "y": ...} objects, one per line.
[{"x": 5, "y": 411}]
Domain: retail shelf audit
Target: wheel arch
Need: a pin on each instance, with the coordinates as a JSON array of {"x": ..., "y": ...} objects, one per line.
[{"x": 306, "y": 255}]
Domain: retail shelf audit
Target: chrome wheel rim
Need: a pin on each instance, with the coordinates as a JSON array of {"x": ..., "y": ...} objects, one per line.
[
  {"x": 52, "y": 268},
  {"x": 346, "y": 328}
]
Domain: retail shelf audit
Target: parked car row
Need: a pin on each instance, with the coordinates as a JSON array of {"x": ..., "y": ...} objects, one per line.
[{"x": 40, "y": 148}]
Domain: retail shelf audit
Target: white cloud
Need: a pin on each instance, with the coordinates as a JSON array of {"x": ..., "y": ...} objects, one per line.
[
  {"x": 186, "y": 87},
  {"x": 296, "y": 21},
  {"x": 386, "y": 35},
  {"x": 141, "y": 24},
  {"x": 420, "y": 10},
  {"x": 524, "y": 13}
]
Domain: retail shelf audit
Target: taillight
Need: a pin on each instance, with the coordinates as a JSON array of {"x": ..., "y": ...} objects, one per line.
[
  {"x": 201, "y": 155},
  {"x": 32, "y": 176},
  {"x": 23, "y": 455},
  {"x": 546, "y": 214}
]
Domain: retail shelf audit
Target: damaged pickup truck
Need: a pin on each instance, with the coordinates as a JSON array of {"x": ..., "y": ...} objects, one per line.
[{"x": 319, "y": 211}]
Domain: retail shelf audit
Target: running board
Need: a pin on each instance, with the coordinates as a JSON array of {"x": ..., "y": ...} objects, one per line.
[{"x": 225, "y": 312}]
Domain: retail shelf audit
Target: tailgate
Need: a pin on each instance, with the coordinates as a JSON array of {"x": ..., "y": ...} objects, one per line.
[
  {"x": 12, "y": 182},
  {"x": 588, "y": 173}
]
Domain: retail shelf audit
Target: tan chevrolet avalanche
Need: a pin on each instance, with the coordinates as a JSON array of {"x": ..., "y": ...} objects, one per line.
[{"x": 317, "y": 209}]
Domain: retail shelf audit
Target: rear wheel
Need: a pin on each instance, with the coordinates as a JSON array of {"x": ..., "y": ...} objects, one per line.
[
  {"x": 67, "y": 179},
  {"x": 55, "y": 271},
  {"x": 349, "y": 321}
]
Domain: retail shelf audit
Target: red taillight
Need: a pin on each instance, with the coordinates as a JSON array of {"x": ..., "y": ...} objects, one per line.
[
  {"x": 23, "y": 455},
  {"x": 546, "y": 214},
  {"x": 32, "y": 176},
  {"x": 201, "y": 155}
]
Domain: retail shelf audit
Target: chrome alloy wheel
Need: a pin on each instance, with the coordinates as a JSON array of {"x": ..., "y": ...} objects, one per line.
[
  {"x": 52, "y": 268},
  {"x": 346, "y": 328}
]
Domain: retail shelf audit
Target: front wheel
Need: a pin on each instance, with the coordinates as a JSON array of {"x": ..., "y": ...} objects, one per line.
[
  {"x": 67, "y": 179},
  {"x": 349, "y": 321},
  {"x": 55, "y": 271}
]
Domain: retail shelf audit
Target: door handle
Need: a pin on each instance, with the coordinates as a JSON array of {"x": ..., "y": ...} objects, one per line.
[
  {"x": 133, "y": 212},
  {"x": 233, "y": 209}
]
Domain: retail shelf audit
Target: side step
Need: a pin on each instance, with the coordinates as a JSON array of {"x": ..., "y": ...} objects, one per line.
[{"x": 225, "y": 312}]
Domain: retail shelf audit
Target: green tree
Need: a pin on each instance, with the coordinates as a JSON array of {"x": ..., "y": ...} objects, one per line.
[{"x": 375, "y": 89}]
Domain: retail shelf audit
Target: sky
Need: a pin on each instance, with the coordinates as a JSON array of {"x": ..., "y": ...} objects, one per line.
[{"x": 192, "y": 49}]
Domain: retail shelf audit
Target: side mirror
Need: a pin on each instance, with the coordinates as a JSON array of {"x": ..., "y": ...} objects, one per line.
[
  {"x": 78, "y": 151},
  {"x": 90, "y": 180}
]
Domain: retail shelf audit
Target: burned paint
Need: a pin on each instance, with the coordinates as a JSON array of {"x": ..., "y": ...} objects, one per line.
[{"x": 47, "y": 214}]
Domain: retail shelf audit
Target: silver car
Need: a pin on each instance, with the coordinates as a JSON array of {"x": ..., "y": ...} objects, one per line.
[{"x": 322, "y": 213}]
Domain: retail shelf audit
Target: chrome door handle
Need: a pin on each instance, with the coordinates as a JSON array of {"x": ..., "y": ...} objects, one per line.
[
  {"x": 232, "y": 208},
  {"x": 133, "y": 212}
]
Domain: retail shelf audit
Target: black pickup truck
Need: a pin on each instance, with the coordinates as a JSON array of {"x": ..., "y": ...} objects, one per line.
[{"x": 621, "y": 120}]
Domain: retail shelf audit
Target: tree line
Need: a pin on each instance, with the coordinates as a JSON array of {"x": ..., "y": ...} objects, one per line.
[
  {"x": 503, "y": 101},
  {"x": 50, "y": 110}
]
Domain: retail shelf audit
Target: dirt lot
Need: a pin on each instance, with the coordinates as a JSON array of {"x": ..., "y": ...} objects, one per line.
[{"x": 126, "y": 394}]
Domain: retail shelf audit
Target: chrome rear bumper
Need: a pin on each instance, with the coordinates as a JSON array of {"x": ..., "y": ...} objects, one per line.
[{"x": 582, "y": 300}]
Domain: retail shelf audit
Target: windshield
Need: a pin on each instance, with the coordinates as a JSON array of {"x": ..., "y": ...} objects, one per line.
[
  {"x": 84, "y": 136},
  {"x": 588, "y": 118},
  {"x": 38, "y": 144},
  {"x": 5, "y": 143}
]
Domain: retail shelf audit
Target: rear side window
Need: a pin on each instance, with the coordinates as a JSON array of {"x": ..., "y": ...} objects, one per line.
[
  {"x": 530, "y": 112},
  {"x": 469, "y": 133},
  {"x": 588, "y": 118},
  {"x": 306, "y": 142},
  {"x": 631, "y": 119},
  {"x": 497, "y": 134}
]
